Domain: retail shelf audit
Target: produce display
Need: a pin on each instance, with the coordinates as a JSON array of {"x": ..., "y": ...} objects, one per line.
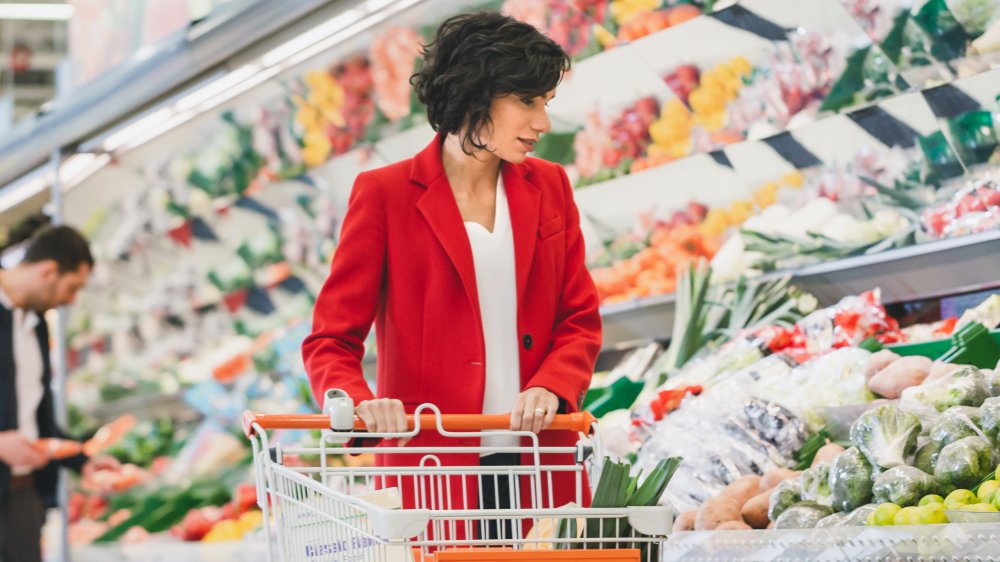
[{"x": 737, "y": 144}]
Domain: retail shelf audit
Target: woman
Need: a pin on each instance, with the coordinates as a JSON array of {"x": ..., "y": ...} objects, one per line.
[{"x": 468, "y": 257}]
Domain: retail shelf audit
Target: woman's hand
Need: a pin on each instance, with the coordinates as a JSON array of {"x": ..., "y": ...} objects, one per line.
[
  {"x": 383, "y": 415},
  {"x": 534, "y": 410}
]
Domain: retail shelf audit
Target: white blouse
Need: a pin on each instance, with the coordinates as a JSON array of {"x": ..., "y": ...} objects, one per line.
[{"x": 493, "y": 255}]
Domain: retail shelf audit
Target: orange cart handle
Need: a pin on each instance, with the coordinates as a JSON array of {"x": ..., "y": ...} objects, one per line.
[{"x": 580, "y": 422}]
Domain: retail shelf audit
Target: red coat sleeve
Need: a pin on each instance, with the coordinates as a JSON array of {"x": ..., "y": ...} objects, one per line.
[
  {"x": 349, "y": 300},
  {"x": 576, "y": 340}
]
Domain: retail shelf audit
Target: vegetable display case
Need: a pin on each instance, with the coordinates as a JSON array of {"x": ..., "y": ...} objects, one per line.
[{"x": 689, "y": 130}]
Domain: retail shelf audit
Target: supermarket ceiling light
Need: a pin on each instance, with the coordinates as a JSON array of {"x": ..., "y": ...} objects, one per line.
[
  {"x": 16, "y": 194},
  {"x": 290, "y": 48},
  {"x": 36, "y": 12},
  {"x": 119, "y": 138},
  {"x": 218, "y": 86}
]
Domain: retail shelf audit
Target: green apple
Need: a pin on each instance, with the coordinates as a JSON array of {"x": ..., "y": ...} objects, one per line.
[
  {"x": 932, "y": 514},
  {"x": 958, "y": 498},
  {"x": 907, "y": 516},
  {"x": 930, "y": 498},
  {"x": 884, "y": 514},
  {"x": 987, "y": 490}
]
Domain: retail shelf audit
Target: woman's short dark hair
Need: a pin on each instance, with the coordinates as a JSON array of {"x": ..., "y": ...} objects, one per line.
[
  {"x": 61, "y": 244},
  {"x": 475, "y": 58}
]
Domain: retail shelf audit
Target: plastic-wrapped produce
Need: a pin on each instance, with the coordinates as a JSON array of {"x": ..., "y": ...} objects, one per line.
[
  {"x": 722, "y": 435},
  {"x": 858, "y": 517},
  {"x": 886, "y": 435},
  {"x": 903, "y": 486},
  {"x": 926, "y": 458},
  {"x": 993, "y": 380},
  {"x": 954, "y": 424},
  {"x": 803, "y": 515},
  {"x": 963, "y": 387},
  {"x": 816, "y": 484},
  {"x": 785, "y": 495},
  {"x": 850, "y": 480},
  {"x": 989, "y": 417},
  {"x": 964, "y": 463},
  {"x": 835, "y": 379},
  {"x": 833, "y": 520}
]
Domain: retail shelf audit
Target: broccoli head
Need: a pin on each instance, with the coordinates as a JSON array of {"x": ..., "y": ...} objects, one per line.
[
  {"x": 964, "y": 387},
  {"x": 989, "y": 417},
  {"x": 903, "y": 486},
  {"x": 954, "y": 424},
  {"x": 886, "y": 435},
  {"x": 816, "y": 484},
  {"x": 963, "y": 464},
  {"x": 850, "y": 480},
  {"x": 802, "y": 515},
  {"x": 785, "y": 495},
  {"x": 926, "y": 458}
]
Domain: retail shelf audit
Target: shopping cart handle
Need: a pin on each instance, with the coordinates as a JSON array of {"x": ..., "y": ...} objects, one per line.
[{"x": 580, "y": 422}]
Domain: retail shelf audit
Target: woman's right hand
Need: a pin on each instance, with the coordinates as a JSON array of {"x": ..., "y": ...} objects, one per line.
[{"x": 383, "y": 415}]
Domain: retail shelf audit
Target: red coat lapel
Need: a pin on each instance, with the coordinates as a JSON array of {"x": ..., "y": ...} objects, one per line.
[
  {"x": 523, "y": 199},
  {"x": 441, "y": 212}
]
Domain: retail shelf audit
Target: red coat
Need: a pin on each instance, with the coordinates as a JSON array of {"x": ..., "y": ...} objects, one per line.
[{"x": 404, "y": 261}]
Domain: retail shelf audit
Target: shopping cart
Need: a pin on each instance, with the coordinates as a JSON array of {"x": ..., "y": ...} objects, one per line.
[{"x": 328, "y": 512}]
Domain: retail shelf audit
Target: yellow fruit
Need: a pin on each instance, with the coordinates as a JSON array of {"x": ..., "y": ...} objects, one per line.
[
  {"x": 907, "y": 516},
  {"x": 766, "y": 195},
  {"x": 987, "y": 490},
  {"x": 740, "y": 211},
  {"x": 958, "y": 498},
  {"x": 741, "y": 65},
  {"x": 884, "y": 514},
  {"x": 250, "y": 520},
  {"x": 793, "y": 179},
  {"x": 930, "y": 498},
  {"x": 932, "y": 514},
  {"x": 227, "y": 530},
  {"x": 979, "y": 508},
  {"x": 604, "y": 37}
]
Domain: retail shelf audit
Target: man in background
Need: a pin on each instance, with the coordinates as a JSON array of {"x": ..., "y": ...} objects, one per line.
[{"x": 55, "y": 267}]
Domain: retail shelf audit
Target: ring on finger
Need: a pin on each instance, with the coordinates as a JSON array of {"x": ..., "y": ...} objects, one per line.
[{"x": 540, "y": 411}]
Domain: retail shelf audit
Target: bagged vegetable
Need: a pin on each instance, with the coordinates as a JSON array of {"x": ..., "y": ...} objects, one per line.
[
  {"x": 886, "y": 435},
  {"x": 833, "y": 520},
  {"x": 993, "y": 380},
  {"x": 964, "y": 464},
  {"x": 858, "y": 517},
  {"x": 954, "y": 424},
  {"x": 802, "y": 515},
  {"x": 787, "y": 494},
  {"x": 989, "y": 417},
  {"x": 903, "y": 486},
  {"x": 926, "y": 458},
  {"x": 850, "y": 480},
  {"x": 963, "y": 387},
  {"x": 816, "y": 484}
]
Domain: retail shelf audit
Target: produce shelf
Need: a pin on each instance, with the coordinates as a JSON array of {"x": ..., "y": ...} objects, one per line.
[
  {"x": 932, "y": 269},
  {"x": 912, "y": 543}
]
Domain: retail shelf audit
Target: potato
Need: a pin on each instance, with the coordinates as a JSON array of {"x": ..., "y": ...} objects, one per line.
[
  {"x": 755, "y": 511},
  {"x": 775, "y": 477},
  {"x": 941, "y": 369},
  {"x": 715, "y": 512},
  {"x": 685, "y": 521},
  {"x": 733, "y": 526},
  {"x": 770, "y": 525},
  {"x": 742, "y": 489},
  {"x": 879, "y": 361},
  {"x": 900, "y": 375},
  {"x": 826, "y": 453}
]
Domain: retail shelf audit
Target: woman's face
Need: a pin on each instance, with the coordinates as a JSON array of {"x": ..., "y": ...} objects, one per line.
[{"x": 518, "y": 122}]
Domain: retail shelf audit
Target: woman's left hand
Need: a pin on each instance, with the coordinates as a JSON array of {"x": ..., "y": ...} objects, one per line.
[{"x": 534, "y": 410}]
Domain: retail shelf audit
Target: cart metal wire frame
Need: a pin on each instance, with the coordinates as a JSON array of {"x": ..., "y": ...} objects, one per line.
[{"x": 328, "y": 512}]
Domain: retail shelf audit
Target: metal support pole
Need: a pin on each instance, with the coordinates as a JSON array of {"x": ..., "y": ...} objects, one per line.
[{"x": 59, "y": 373}]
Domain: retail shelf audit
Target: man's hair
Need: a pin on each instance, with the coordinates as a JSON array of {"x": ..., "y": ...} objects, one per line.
[
  {"x": 61, "y": 244},
  {"x": 475, "y": 58}
]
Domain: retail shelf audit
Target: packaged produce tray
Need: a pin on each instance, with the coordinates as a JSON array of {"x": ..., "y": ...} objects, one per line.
[{"x": 924, "y": 543}]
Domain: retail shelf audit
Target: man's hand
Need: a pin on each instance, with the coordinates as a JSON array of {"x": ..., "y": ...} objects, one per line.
[
  {"x": 18, "y": 452},
  {"x": 534, "y": 410}
]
